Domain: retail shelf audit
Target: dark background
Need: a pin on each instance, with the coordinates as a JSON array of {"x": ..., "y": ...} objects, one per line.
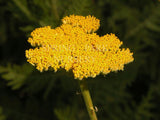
[{"x": 132, "y": 94}]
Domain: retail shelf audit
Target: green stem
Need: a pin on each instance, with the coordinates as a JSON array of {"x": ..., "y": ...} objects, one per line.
[
  {"x": 54, "y": 9},
  {"x": 87, "y": 100}
]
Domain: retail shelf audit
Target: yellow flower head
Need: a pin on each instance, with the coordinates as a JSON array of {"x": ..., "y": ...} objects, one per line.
[
  {"x": 88, "y": 23},
  {"x": 74, "y": 46}
]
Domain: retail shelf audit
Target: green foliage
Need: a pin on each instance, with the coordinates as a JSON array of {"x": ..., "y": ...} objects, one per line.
[
  {"x": 65, "y": 114},
  {"x": 132, "y": 94},
  {"x": 144, "y": 109},
  {"x": 15, "y": 75},
  {"x": 2, "y": 117},
  {"x": 80, "y": 7}
]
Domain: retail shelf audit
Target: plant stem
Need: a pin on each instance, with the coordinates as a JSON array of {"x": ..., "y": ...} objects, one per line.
[
  {"x": 87, "y": 99},
  {"x": 54, "y": 9}
]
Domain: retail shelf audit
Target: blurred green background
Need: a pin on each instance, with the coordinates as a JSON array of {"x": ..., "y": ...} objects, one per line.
[{"x": 132, "y": 94}]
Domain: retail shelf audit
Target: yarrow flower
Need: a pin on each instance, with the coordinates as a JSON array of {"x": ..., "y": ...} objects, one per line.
[{"x": 75, "y": 46}]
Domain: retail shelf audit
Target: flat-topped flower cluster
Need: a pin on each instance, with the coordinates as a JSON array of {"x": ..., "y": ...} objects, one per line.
[{"x": 75, "y": 46}]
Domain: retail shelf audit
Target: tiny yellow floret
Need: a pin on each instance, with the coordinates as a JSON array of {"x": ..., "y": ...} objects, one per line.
[{"x": 75, "y": 46}]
